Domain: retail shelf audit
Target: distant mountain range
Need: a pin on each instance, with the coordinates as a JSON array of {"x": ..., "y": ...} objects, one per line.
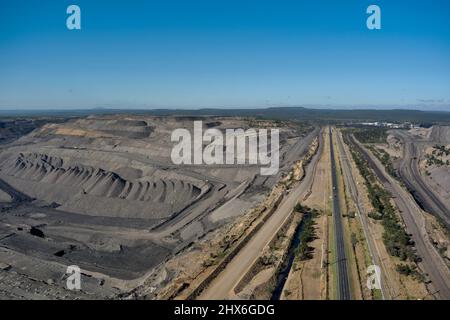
[{"x": 282, "y": 113}]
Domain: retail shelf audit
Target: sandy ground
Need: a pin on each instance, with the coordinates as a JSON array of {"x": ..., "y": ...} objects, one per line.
[
  {"x": 421, "y": 133},
  {"x": 260, "y": 281},
  {"x": 397, "y": 286},
  {"x": 225, "y": 282},
  {"x": 439, "y": 236},
  {"x": 307, "y": 279},
  {"x": 437, "y": 176}
]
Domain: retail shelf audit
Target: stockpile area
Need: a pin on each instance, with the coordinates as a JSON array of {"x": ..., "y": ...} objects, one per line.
[
  {"x": 51, "y": 179},
  {"x": 101, "y": 192}
]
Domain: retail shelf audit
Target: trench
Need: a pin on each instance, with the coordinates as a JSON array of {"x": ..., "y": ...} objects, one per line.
[{"x": 288, "y": 261}]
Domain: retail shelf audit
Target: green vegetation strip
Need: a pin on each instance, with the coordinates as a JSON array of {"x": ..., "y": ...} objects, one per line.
[
  {"x": 398, "y": 243},
  {"x": 370, "y": 135},
  {"x": 308, "y": 234}
]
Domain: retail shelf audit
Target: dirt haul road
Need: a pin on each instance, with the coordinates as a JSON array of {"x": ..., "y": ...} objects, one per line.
[
  {"x": 222, "y": 287},
  {"x": 410, "y": 173},
  {"x": 412, "y": 215}
]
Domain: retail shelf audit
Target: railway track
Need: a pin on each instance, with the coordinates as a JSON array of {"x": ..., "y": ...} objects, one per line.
[
  {"x": 410, "y": 174},
  {"x": 432, "y": 263}
]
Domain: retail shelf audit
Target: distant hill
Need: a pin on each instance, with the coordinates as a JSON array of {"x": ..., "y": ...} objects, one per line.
[{"x": 282, "y": 113}]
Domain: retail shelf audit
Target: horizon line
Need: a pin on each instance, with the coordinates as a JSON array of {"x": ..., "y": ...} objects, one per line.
[{"x": 324, "y": 107}]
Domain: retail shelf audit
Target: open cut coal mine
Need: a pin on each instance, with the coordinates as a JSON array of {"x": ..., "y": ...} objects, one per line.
[{"x": 101, "y": 192}]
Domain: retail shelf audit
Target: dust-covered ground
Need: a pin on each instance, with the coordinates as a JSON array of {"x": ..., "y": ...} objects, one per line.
[
  {"x": 102, "y": 193},
  {"x": 428, "y": 150}
]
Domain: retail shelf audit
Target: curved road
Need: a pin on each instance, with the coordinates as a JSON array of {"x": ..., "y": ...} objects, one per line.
[
  {"x": 432, "y": 263},
  {"x": 16, "y": 195},
  {"x": 410, "y": 174}
]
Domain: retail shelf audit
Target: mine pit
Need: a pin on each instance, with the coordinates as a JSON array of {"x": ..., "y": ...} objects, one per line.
[{"x": 111, "y": 200}]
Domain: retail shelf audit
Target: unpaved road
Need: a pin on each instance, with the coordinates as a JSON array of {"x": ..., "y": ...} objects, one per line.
[
  {"x": 222, "y": 287},
  {"x": 410, "y": 174},
  {"x": 16, "y": 195},
  {"x": 412, "y": 215}
]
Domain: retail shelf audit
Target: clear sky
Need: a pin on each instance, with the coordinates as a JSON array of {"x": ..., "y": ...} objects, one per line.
[{"x": 224, "y": 53}]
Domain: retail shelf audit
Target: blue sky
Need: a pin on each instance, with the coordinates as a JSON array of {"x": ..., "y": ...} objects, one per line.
[{"x": 192, "y": 54}]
